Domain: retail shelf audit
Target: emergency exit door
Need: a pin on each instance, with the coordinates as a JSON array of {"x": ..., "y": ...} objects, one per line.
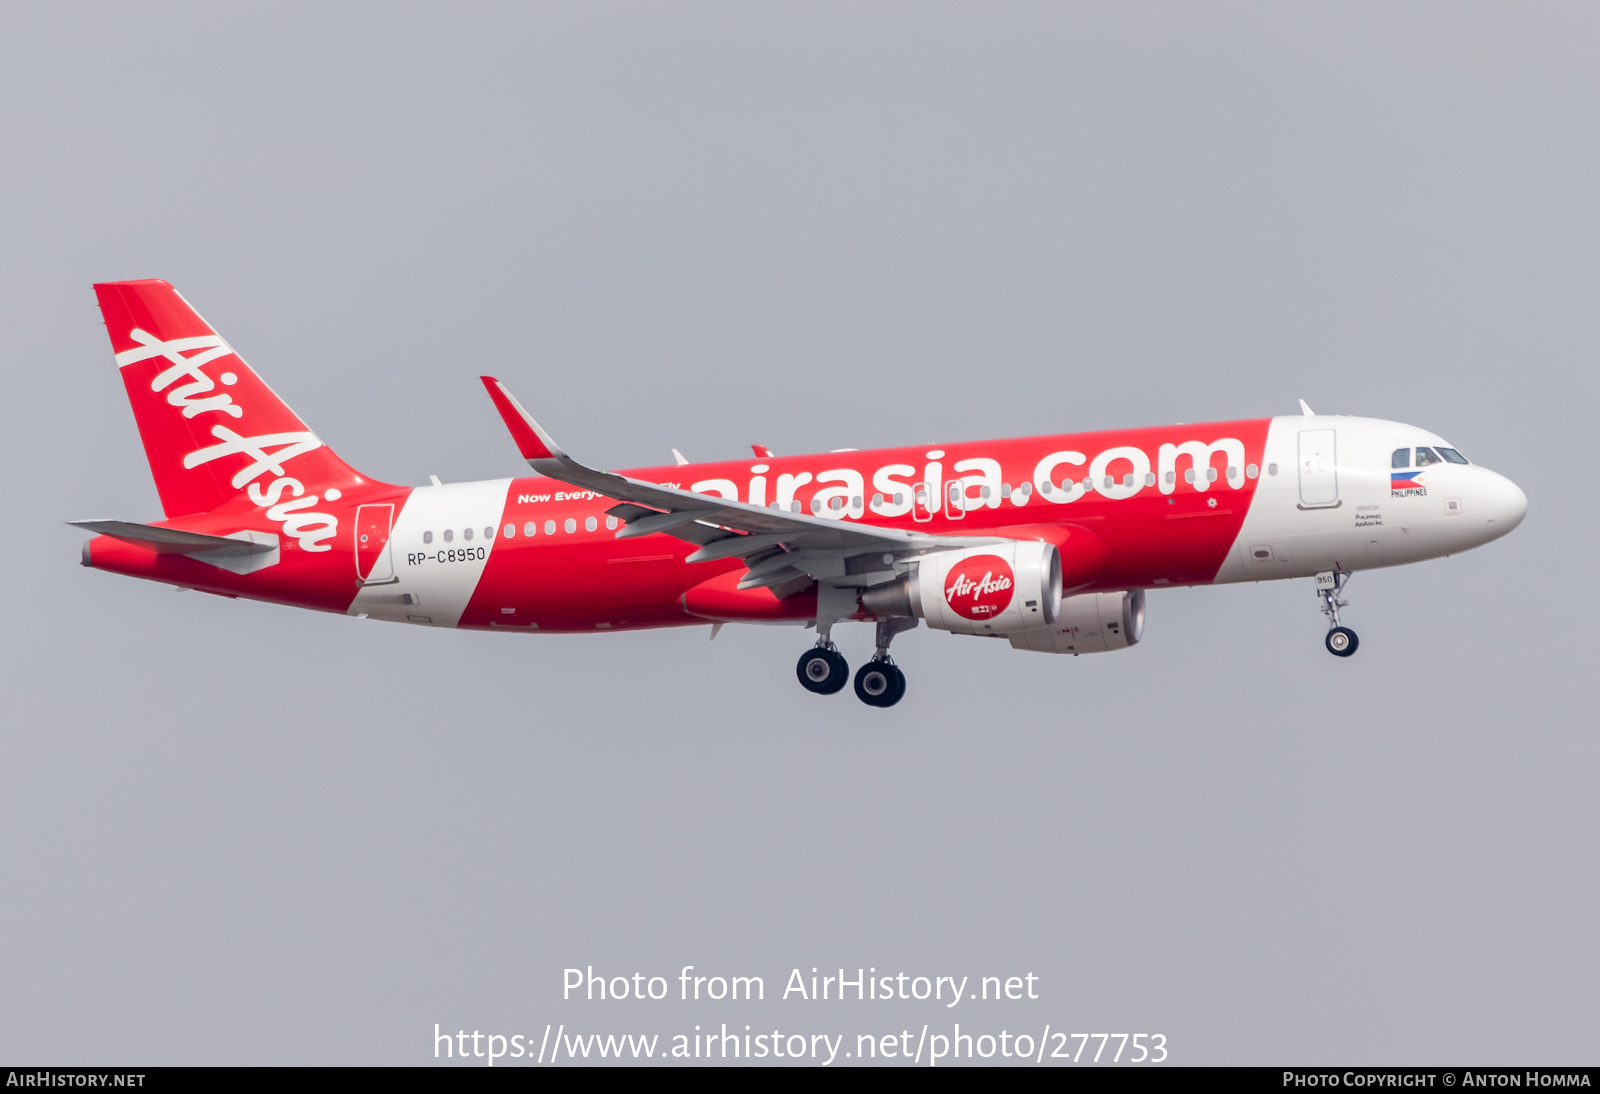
[
  {"x": 374, "y": 563},
  {"x": 1319, "y": 469}
]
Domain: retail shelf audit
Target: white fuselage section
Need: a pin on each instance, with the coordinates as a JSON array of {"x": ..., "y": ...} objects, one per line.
[{"x": 1326, "y": 501}]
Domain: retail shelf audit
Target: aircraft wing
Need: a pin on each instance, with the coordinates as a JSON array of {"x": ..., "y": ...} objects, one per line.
[{"x": 777, "y": 546}]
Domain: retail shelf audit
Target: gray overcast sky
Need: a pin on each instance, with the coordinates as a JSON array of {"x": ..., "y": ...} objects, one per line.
[{"x": 239, "y": 833}]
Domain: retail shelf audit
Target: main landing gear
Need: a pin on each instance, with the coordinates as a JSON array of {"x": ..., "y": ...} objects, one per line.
[
  {"x": 879, "y": 683},
  {"x": 822, "y": 668},
  {"x": 1341, "y": 641}
]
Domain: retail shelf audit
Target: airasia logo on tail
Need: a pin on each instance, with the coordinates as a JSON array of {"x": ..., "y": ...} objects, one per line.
[
  {"x": 311, "y": 529},
  {"x": 980, "y": 587}
]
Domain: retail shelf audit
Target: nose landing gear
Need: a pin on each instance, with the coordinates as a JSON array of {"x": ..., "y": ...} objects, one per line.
[{"x": 1341, "y": 640}]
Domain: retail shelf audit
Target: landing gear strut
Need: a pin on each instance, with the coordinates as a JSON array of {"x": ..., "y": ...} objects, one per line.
[
  {"x": 1341, "y": 641},
  {"x": 822, "y": 668},
  {"x": 880, "y": 683}
]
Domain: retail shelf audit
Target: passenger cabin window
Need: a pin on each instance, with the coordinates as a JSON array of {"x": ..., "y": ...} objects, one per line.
[
  {"x": 1426, "y": 457},
  {"x": 1401, "y": 458},
  {"x": 1451, "y": 455}
]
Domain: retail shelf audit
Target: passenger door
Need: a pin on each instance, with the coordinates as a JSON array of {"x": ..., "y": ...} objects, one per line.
[
  {"x": 374, "y": 564},
  {"x": 1319, "y": 473}
]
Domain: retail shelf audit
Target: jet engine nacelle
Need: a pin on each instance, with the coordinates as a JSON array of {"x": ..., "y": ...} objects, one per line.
[
  {"x": 1089, "y": 623},
  {"x": 995, "y": 590}
]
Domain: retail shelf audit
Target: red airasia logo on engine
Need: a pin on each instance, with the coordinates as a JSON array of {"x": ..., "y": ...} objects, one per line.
[{"x": 980, "y": 587}]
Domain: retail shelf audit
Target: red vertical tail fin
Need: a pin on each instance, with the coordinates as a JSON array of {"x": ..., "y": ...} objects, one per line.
[{"x": 212, "y": 430}]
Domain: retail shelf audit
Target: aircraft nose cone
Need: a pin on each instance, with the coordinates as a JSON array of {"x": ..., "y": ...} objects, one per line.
[{"x": 1504, "y": 504}]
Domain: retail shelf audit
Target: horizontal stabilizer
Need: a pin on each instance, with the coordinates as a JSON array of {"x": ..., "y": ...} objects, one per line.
[{"x": 175, "y": 541}]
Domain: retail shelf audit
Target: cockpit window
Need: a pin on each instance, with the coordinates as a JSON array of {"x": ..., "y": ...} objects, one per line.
[
  {"x": 1401, "y": 458},
  {"x": 1425, "y": 457},
  {"x": 1452, "y": 455}
]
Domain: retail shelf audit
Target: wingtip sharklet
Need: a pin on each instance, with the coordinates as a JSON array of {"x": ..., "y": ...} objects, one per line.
[{"x": 532, "y": 441}]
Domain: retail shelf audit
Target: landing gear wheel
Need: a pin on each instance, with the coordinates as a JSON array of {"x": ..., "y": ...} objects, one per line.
[
  {"x": 880, "y": 684},
  {"x": 899, "y": 691},
  {"x": 1342, "y": 641},
  {"x": 822, "y": 670}
]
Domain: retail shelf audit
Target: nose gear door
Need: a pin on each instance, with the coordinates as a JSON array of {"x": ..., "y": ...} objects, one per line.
[
  {"x": 374, "y": 563},
  {"x": 1319, "y": 474}
]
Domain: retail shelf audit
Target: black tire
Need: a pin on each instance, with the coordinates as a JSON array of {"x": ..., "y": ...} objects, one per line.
[
  {"x": 1342, "y": 642},
  {"x": 822, "y": 671},
  {"x": 899, "y": 691},
  {"x": 880, "y": 684}
]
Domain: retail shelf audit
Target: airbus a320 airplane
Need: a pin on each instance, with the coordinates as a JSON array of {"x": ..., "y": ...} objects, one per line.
[{"x": 1048, "y": 542}]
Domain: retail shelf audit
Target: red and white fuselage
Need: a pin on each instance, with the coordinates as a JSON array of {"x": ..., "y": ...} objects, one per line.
[{"x": 1119, "y": 510}]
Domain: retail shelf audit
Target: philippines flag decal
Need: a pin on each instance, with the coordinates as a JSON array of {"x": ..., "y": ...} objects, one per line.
[{"x": 1406, "y": 483}]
